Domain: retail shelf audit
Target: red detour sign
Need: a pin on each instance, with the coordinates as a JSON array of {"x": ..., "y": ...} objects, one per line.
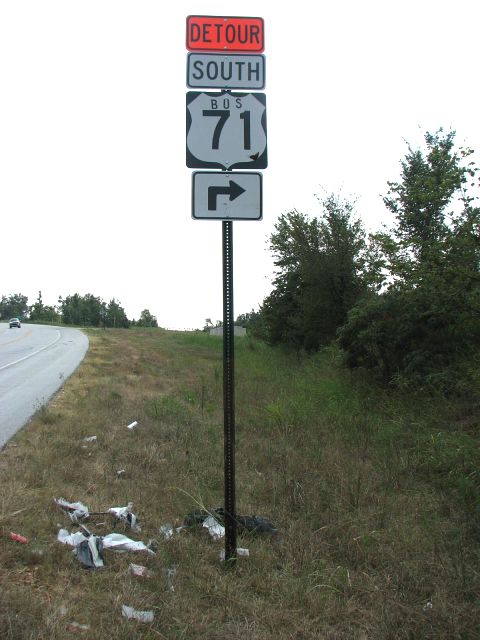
[{"x": 219, "y": 33}]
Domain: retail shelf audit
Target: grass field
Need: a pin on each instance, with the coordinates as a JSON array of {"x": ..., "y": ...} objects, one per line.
[{"x": 375, "y": 495}]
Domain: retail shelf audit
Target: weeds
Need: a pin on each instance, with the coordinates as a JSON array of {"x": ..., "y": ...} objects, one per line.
[{"x": 376, "y": 496}]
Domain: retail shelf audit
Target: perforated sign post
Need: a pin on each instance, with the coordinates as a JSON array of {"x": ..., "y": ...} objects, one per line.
[{"x": 226, "y": 131}]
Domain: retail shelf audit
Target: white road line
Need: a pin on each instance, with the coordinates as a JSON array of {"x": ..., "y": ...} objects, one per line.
[{"x": 30, "y": 355}]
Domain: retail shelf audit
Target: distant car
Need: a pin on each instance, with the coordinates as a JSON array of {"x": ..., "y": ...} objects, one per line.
[{"x": 15, "y": 322}]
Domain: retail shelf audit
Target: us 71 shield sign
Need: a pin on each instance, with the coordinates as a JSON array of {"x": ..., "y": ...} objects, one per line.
[{"x": 226, "y": 130}]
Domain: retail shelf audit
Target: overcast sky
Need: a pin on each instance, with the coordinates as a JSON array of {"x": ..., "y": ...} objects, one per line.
[{"x": 95, "y": 196}]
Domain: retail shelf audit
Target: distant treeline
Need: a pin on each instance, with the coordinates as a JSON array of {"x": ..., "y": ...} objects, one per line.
[
  {"x": 403, "y": 302},
  {"x": 85, "y": 311}
]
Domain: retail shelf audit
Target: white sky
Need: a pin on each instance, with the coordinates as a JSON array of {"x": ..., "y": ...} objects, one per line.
[{"x": 94, "y": 191}]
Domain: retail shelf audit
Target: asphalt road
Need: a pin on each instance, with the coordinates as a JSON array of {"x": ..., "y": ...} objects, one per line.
[{"x": 35, "y": 361}]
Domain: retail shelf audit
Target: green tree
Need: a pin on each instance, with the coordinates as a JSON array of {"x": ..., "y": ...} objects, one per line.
[
  {"x": 40, "y": 312},
  {"x": 147, "y": 319},
  {"x": 115, "y": 316},
  {"x": 87, "y": 310},
  {"x": 13, "y": 305},
  {"x": 323, "y": 269},
  {"x": 253, "y": 322},
  {"x": 425, "y": 324}
]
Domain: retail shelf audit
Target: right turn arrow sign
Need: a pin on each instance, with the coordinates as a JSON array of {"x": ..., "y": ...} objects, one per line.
[
  {"x": 233, "y": 191},
  {"x": 222, "y": 195}
]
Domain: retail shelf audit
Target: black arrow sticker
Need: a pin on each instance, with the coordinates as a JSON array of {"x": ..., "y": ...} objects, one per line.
[{"x": 233, "y": 190}]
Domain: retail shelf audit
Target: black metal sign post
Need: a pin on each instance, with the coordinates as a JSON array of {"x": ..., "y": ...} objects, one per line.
[{"x": 229, "y": 394}]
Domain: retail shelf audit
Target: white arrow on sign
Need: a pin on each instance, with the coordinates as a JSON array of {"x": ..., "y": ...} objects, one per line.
[
  {"x": 223, "y": 195},
  {"x": 226, "y": 130}
]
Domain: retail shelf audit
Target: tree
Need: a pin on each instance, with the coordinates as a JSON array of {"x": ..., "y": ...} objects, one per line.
[
  {"x": 115, "y": 316},
  {"x": 253, "y": 322},
  {"x": 43, "y": 313},
  {"x": 13, "y": 305},
  {"x": 147, "y": 319},
  {"x": 322, "y": 272},
  {"x": 426, "y": 321},
  {"x": 87, "y": 310}
]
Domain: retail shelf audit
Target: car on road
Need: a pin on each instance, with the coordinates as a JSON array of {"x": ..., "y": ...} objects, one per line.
[{"x": 15, "y": 322}]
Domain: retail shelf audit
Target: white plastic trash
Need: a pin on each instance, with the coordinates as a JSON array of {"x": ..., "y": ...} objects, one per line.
[
  {"x": 133, "y": 614},
  {"x": 215, "y": 529},
  {"x": 76, "y": 510},
  {"x": 140, "y": 571},
  {"x": 124, "y": 514},
  {"x": 241, "y": 553},
  {"x": 71, "y": 539},
  {"x": 119, "y": 542},
  {"x": 167, "y": 531},
  {"x": 132, "y": 425}
]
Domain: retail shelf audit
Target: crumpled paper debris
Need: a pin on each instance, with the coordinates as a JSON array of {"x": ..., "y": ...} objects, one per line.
[
  {"x": 140, "y": 571},
  {"x": 76, "y": 626},
  {"x": 215, "y": 529},
  {"x": 124, "y": 514},
  {"x": 76, "y": 510},
  {"x": 241, "y": 553},
  {"x": 119, "y": 542},
  {"x": 133, "y": 614},
  {"x": 89, "y": 552},
  {"x": 114, "y": 541}
]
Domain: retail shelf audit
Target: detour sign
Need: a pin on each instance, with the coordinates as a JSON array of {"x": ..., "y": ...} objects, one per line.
[{"x": 228, "y": 34}]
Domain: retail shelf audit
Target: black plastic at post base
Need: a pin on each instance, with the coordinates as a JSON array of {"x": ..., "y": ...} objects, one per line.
[{"x": 228, "y": 394}]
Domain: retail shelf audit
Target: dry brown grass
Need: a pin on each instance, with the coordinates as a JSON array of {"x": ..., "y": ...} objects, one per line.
[{"x": 376, "y": 519}]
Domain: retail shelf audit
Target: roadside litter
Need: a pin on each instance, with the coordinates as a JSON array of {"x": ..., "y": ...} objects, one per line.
[
  {"x": 125, "y": 515},
  {"x": 241, "y": 553},
  {"x": 132, "y": 425},
  {"x": 70, "y": 539},
  {"x": 133, "y": 614},
  {"x": 140, "y": 571},
  {"x": 90, "y": 439},
  {"x": 16, "y": 537},
  {"x": 89, "y": 553},
  {"x": 169, "y": 574},
  {"x": 119, "y": 542},
  {"x": 89, "y": 548},
  {"x": 77, "y": 512},
  {"x": 214, "y": 521},
  {"x": 76, "y": 626},
  {"x": 167, "y": 531},
  {"x": 215, "y": 529},
  {"x": 115, "y": 541}
]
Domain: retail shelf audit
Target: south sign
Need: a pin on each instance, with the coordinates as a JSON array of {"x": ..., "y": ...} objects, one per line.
[
  {"x": 222, "y": 33},
  {"x": 225, "y": 71},
  {"x": 226, "y": 130}
]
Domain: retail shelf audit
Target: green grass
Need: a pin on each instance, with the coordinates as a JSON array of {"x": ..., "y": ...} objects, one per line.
[{"x": 375, "y": 494}]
